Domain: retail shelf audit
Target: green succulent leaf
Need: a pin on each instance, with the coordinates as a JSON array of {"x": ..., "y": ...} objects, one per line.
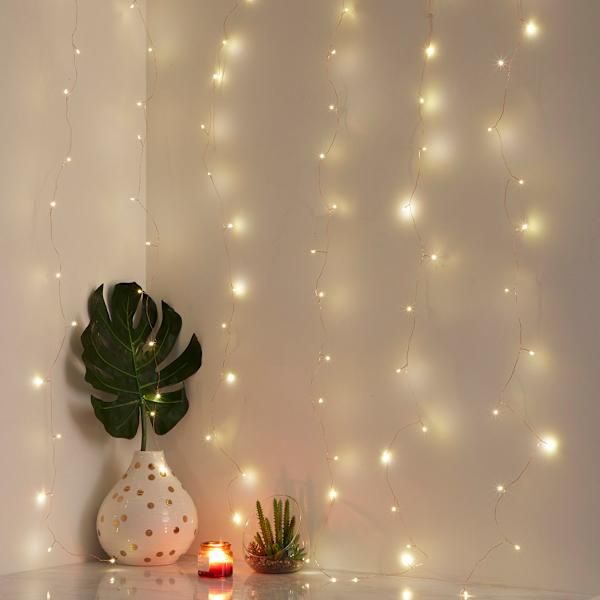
[{"x": 124, "y": 355}]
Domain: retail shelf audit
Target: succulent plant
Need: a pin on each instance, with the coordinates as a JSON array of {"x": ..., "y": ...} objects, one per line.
[{"x": 278, "y": 542}]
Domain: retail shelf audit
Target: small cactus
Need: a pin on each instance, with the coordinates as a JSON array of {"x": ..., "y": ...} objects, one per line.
[{"x": 281, "y": 543}]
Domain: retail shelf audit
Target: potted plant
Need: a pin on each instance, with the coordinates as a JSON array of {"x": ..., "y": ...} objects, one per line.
[
  {"x": 147, "y": 518},
  {"x": 277, "y": 547}
]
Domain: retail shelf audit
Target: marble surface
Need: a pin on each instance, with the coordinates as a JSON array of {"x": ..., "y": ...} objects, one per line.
[{"x": 98, "y": 581}]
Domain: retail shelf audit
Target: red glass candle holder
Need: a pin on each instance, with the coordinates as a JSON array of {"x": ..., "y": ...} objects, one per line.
[{"x": 215, "y": 560}]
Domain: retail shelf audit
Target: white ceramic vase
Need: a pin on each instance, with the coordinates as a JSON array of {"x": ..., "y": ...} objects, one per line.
[{"x": 147, "y": 518}]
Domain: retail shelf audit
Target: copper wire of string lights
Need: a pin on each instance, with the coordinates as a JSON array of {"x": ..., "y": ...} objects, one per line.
[
  {"x": 143, "y": 104},
  {"x": 413, "y": 555},
  {"x": 236, "y": 288},
  {"x": 46, "y": 496},
  {"x": 549, "y": 445},
  {"x": 337, "y": 108}
]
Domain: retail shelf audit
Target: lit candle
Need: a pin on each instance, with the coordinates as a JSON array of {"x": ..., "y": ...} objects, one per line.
[{"x": 215, "y": 559}]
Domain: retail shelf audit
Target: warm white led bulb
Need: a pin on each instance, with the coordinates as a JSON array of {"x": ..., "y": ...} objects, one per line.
[
  {"x": 320, "y": 401},
  {"x": 152, "y": 413},
  {"x": 38, "y": 381},
  {"x": 333, "y": 52},
  {"x": 354, "y": 580},
  {"x": 407, "y": 595},
  {"x": 112, "y": 560},
  {"x": 239, "y": 288},
  {"x": 430, "y": 51},
  {"x": 139, "y": 103},
  {"x": 66, "y": 91},
  {"x": 524, "y": 227},
  {"x": 409, "y": 308},
  {"x": 549, "y": 445},
  {"x": 421, "y": 100},
  {"x": 506, "y": 290},
  {"x": 218, "y": 76},
  {"x": 531, "y": 28},
  {"x": 237, "y": 518},
  {"x": 322, "y": 156},
  {"x": 332, "y": 107},
  {"x": 531, "y": 352},
  {"x": 333, "y": 579},
  {"x": 58, "y": 436},
  {"x": 333, "y": 494},
  {"x": 490, "y": 129},
  {"x": 386, "y": 457},
  {"x": 500, "y": 62},
  {"x": 495, "y": 412},
  {"x": 41, "y": 497},
  {"x": 230, "y": 377},
  {"x": 407, "y": 559},
  {"x": 157, "y": 396},
  {"x": 521, "y": 181},
  {"x": 424, "y": 429},
  {"x": 208, "y": 437},
  {"x": 150, "y": 49},
  {"x": 327, "y": 357},
  {"x": 517, "y": 547},
  {"x": 434, "y": 257},
  {"x": 223, "y": 325},
  {"x": 500, "y": 489},
  {"x": 394, "y": 509}
]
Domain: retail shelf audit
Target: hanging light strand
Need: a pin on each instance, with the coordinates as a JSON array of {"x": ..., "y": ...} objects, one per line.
[
  {"x": 338, "y": 109},
  {"x": 518, "y": 229},
  {"x": 236, "y": 289}
]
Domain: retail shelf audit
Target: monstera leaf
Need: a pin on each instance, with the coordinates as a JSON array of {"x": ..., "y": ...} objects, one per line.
[{"x": 124, "y": 351}]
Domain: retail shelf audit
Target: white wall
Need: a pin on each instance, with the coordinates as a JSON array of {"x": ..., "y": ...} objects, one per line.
[
  {"x": 101, "y": 237},
  {"x": 272, "y": 121}
]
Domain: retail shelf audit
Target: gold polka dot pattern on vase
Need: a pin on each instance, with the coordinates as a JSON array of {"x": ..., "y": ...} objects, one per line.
[{"x": 148, "y": 519}]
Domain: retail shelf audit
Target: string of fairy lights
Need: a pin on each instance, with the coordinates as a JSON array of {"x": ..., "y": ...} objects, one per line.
[
  {"x": 527, "y": 29},
  {"x": 45, "y": 497},
  {"x": 337, "y": 107},
  {"x": 236, "y": 287},
  {"x": 413, "y": 555}
]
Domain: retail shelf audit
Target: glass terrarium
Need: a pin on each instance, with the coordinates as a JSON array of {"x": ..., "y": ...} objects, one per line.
[{"x": 275, "y": 540}]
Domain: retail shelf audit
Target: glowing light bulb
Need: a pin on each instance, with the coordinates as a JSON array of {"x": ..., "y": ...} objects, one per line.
[
  {"x": 430, "y": 50},
  {"x": 327, "y": 357},
  {"x": 239, "y": 288},
  {"x": 322, "y": 156},
  {"x": 394, "y": 509},
  {"x": 333, "y": 580},
  {"x": 500, "y": 62},
  {"x": 112, "y": 560},
  {"x": 313, "y": 251},
  {"x": 150, "y": 49},
  {"x": 549, "y": 445},
  {"x": 202, "y": 126},
  {"x": 407, "y": 595},
  {"x": 53, "y": 204},
  {"x": 409, "y": 308},
  {"x": 218, "y": 76},
  {"x": 465, "y": 595},
  {"x": 152, "y": 413},
  {"x": 66, "y": 91},
  {"x": 531, "y": 28},
  {"x": 73, "y": 323},
  {"x": 49, "y": 549},
  {"x": 208, "y": 437},
  {"x": 229, "y": 226},
  {"x": 495, "y": 412},
  {"x": 157, "y": 396},
  {"x": 424, "y": 429},
  {"x": 320, "y": 401},
  {"x": 237, "y": 518},
  {"x": 225, "y": 42},
  {"x": 230, "y": 377},
  {"x": 424, "y": 149},
  {"x": 517, "y": 547},
  {"x": 152, "y": 343},
  {"x": 41, "y": 497},
  {"x": 38, "y": 381},
  {"x": 48, "y": 596},
  {"x": 524, "y": 226},
  {"x": 354, "y": 580},
  {"x": 434, "y": 257},
  {"x": 333, "y": 494},
  {"x": 490, "y": 129},
  {"x": 531, "y": 352},
  {"x": 421, "y": 100},
  {"x": 336, "y": 458},
  {"x": 139, "y": 103},
  {"x": 77, "y": 51},
  {"x": 386, "y": 457},
  {"x": 500, "y": 489},
  {"x": 223, "y": 325},
  {"x": 521, "y": 181},
  {"x": 332, "y": 107},
  {"x": 506, "y": 290},
  {"x": 333, "y": 52},
  {"x": 58, "y": 436},
  {"x": 68, "y": 159},
  {"x": 407, "y": 560}
]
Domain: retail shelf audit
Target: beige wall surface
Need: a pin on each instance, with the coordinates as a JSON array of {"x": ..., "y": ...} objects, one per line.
[
  {"x": 100, "y": 235},
  {"x": 272, "y": 120}
]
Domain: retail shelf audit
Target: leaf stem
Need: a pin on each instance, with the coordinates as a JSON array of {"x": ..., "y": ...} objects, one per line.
[{"x": 143, "y": 416}]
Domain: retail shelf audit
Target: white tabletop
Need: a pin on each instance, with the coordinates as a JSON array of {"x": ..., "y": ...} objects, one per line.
[{"x": 100, "y": 581}]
